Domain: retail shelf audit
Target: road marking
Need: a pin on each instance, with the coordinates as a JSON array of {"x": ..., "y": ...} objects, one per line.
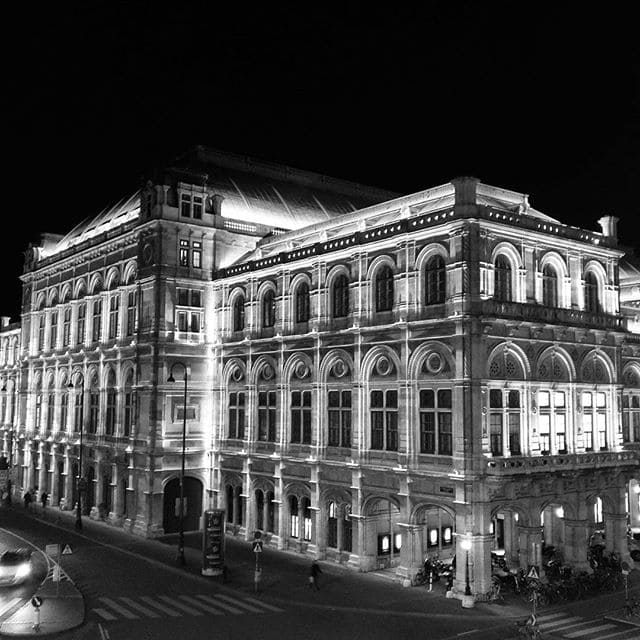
[
  {"x": 248, "y": 607},
  {"x": 104, "y": 634},
  {"x": 105, "y": 614},
  {"x": 157, "y": 605},
  {"x": 119, "y": 609},
  {"x": 549, "y": 616},
  {"x": 135, "y": 605},
  {"x": 264, "y": 605},
  {"x": 617, "y": 633},
  {"x": 222, "y": 605},
  {"x": 179, "y": 605},
  {"x": 569, "y": 621},
  {"x": 202, "y": 605},
  {"x": 9, "y": 605},
  {"x": 584, "y": 632}
]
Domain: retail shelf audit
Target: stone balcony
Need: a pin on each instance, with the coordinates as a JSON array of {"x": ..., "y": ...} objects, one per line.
[
  {"x": 551, "y": 315},
  {"x": 518, "y": 465}
]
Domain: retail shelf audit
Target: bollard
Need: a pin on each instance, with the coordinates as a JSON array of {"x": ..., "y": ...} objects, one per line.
[
  {"x": 256, "y": 578},
  {"x": 36, "y": 602},
  {"x": 430, "y": 580}
]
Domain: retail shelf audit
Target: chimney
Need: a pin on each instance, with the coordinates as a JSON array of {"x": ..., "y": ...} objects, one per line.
[
  {"x": 609, "y": 226},
  {"x": 465, "y": 190},
  {"x": 4, "y": 321}
]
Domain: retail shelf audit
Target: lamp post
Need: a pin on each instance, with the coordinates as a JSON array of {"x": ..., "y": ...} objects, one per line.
[
  {"x": 467, "y": 599},
  {"x": 181, "y": 558},
  {"x": 11, "y": 433},
  {"x": 79, "y": 501}
]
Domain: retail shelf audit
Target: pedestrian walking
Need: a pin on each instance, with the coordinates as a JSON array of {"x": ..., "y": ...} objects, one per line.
[
  {"x": 27, "y": 500},
  {"x": 43, "y": 498},
  {"x": 314, "y": 572}
]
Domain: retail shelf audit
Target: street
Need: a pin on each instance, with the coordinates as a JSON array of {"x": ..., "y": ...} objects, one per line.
[{"x": 133, "y": 588}]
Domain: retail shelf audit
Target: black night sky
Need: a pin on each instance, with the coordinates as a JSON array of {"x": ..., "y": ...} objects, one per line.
[{"x": 536, "y": 97}]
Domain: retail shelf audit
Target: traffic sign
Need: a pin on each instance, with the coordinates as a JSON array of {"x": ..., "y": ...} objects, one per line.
[
  {"x": 52, "y": 550},
  {"x": 257, "y": 546},
  {"x": 533, "y": 572},
  {"x": 67, "y": 550},
  {"x": 36, "y": 601},
  {"x": 625, "y": 568}
]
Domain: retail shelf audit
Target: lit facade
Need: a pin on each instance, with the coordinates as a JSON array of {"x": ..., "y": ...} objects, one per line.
[{"x": 370, "y": 377}]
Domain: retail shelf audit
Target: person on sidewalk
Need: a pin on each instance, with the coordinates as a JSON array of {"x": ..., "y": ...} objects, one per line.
[
  {"x": 314, "y": 572},
  {"x": 43, "y": 498},
  {"x": 27, "y": 500}
]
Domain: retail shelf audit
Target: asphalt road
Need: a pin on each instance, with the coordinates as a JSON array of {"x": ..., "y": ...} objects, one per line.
[{"x": 133, "y": 588}]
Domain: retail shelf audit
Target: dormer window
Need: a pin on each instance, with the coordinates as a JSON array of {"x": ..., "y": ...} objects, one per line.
[{"x": 191, "y": 206}]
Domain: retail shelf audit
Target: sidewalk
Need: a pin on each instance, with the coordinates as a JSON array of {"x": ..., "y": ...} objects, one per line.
[{"x": 62, "y": 609}]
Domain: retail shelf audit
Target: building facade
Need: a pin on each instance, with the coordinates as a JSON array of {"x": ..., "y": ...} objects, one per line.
[{"x": 369, "y": 378}]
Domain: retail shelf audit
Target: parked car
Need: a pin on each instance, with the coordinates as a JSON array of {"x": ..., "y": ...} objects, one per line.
[
  {"x": 15, "y": 566},
  {"x": 633, "y": 540}
]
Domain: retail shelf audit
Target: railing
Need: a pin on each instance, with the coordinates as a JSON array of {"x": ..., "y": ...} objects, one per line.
[
  {"x": 562, "y": 462},
  {"x": 552, "y": 315}
]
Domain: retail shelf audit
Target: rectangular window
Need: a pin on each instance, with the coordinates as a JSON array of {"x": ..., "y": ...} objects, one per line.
[
  {"x": 435, "y": 422},
  {"x": 38, "y": 425},
  {"x": 191, "y": 413},
  {"x": 182, "y": 321},
  {"x": 544, "y": 430},
  {"x": 128, "y": 413},
  {"x": 131, "y": 312},
  {"x": 384, "y": 420},
  {"x": 196, "y": 298},
  {"x": 41, "y": 321},
  {"x": 78, "y": 411},
  {"x": 97, "y": 321},
  {"x": 267, "y": 416},
  {"x": 110, "y": 417},
  {"x": 183, "y": 255},
  {"x": 66, "y": 327},
  {"x": 301, "y": 417},
  {"x": 195, "y": 322},
  {"x": 587, "y": 431},
  {"x": 514, "y": 434},
  {"x": 64, "y": 411},
  {"x": 495, "y": 434},
  {"x": 51, "y": 400},
  {"x": 185, "y": 205},
  {"x": 80, "y": 326},
  {"x": 114, "y": 306},
  {"x": 561, "y": 438},
  {"x": 196, "y": 255},
  {"x": 94, "y": 410},
  {"x": 601, "y": 422},
  {"x": 339, "y": 418},
  {"x": 53, "y": 335},
  {"x": 183, "y": 297},
  {"x": 236, "y": 415},
  {"x": 197, "y": 207}
]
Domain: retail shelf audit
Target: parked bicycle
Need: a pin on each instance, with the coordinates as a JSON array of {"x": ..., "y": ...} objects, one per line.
[{"x": 632, "y": 609}]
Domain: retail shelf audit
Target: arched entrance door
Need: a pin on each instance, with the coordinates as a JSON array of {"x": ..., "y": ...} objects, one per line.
[
  {"x": 192, "y": 510},
  {"x": 438, "y": 526},
  {"x": 383, "y": 537}
]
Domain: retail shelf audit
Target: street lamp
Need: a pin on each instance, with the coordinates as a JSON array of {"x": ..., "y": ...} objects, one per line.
[
  {"x": 181, "y": 559},
  {"x": 4, "y": 390},
  {"x": 467, "y": 600},
  {"x": 79, "y": 502}
]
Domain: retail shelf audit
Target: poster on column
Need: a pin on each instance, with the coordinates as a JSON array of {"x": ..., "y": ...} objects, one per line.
[{"x": 213, "y": 542}]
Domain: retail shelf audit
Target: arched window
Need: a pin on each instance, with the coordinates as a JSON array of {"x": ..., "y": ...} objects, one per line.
[
  {"x": 549, "y": 287},
  {"x": 38, "y": 412},
  {"x": 64, "y": 408},
  {"x": 332, "y": 528},
  {"x": 341, "y": 297},
  {"x": 591, "y": 300},
  {"x": 268, "y": 309},
  {"x": 502, "y": 286},
  {"x": 435, "y": 281},
  {"x": 302, "y": 303},
  {"x": 238, "y": 314},
  {"x": 306, "y": 515},
  {"x": 78, "y": 405},
  {"x": 384, "y": 289}
]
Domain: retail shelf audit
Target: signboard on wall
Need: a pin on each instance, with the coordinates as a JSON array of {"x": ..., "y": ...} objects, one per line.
[{"x": 213, "y": 542}]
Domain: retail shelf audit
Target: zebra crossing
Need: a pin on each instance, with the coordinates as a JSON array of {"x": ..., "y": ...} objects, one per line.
[
  {"x": 174, "y": 606},
  {"x": 565, "y": 625}
]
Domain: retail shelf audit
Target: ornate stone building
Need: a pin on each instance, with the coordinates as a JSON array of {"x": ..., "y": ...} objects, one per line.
[{"x": 371, "y": 377}]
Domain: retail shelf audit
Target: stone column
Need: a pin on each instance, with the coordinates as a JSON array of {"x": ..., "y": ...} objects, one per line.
[
  {"x": 530, "y": 545},
  {"x": 249, "y": 503},
  {"x": 279, "y": 499},
  {"x": 576, "y": 543},
  {"x": 119, "y": 472},
  {"x": 410, "y": 553},
  {"x": 615, "y": 526}
]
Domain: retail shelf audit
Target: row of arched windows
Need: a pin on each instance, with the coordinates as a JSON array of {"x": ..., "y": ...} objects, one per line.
[{"x": 340, "y": 298}]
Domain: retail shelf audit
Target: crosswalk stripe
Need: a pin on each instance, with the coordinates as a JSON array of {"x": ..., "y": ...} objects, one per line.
[
  {"x": 105, "y": 614},
  {"x": 549, "y": 616},
  {"x": 138, "y": 607},
  {"x": 202, "y": 605},
  {"x": 248, "y": 607},
  {"x": 158, "y": 605},
  {"x": 217, "y": 603},
  {"x": 179, "y": 605},
  {"x": 561, "y": 623},
  {"x": 119, "y": 609},
  {"x": 618, "y": 633},
  {"x": 584, "y": 632},
  {"x": 264, "y": 605},
  {"x": 9, "y": 605}
]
